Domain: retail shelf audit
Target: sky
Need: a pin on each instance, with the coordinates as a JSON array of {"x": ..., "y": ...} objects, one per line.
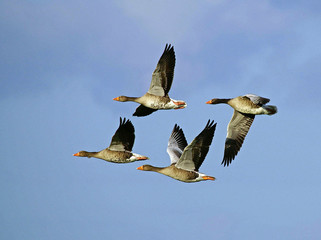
[{"x": 62, "y": 63}]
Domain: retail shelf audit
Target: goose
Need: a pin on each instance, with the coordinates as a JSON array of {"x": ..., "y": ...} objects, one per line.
[
  {"x": 245, "y": 109},
  {"x": 119, "y": 150},
  {"x": 157, "y": 96},
  {"x": 186, "y": 160}
]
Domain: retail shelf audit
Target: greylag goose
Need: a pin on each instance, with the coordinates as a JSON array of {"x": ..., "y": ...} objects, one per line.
[
  {"x": 186, "y": 160},
  {"x": 157, "y": 96},
  {"x": 245, "y": 109},
  {"x": 119, "y": 150}
]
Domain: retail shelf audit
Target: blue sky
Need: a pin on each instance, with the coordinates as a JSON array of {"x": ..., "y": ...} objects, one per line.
[{"x": 62, "y": 63}]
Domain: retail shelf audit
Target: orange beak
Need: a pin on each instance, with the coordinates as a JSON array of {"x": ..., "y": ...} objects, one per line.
[
  {"x": 209, "y": 102},
  {"x": 208, "y": 178},
  {"x": 140, "y": 168},
  {"x": 76, "y": 154},
  {"x": 179, "y": 103},
  {"x": 142, "y": 158},
  {"x": 116, "y": 99}
]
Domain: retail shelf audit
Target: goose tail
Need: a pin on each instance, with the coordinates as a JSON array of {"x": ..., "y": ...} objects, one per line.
[{"x": 270, "y": 110}]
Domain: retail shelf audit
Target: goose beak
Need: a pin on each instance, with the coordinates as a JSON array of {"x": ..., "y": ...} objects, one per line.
[
  {"x": 116, "y": 99},
  {"x": 209, "y": 102},
  {"x": 208, "y": 178},
  {"x": 76, "y": 154},
  {"x": 142, "y": 158},
  {"x": 140, "y": 168}
]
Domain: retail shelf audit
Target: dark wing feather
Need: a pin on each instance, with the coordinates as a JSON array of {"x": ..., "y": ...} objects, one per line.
[
  {"x": 124, "y": 137},
  {"x": 195, "y": 153},
  {"x": 142, "y": 111},
  {"x": 236, "y": 131},
  {"x": 162, "y": 77},
  {"x": 176, "y": 144}
]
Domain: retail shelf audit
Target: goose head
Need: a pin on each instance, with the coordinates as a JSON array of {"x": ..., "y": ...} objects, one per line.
[{"x": 82, "y": 154}]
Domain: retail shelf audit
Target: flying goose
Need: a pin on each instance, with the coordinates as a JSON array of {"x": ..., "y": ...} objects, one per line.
[
  {"x": 186, "y": 160},
  {"x": 245, "y": 109},
  {"x": 119, "y": 150},
  {"x": 157, "y": 96}
]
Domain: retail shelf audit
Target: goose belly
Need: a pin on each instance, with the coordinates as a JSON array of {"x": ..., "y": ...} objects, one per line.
[
  {"x": 156, "y": 102},
  {"x": 115, "y": 156},
  {"x": 157, "y": 105},
  {"x": 254, "y": 111},
  {"x": 181, "y": 175}
]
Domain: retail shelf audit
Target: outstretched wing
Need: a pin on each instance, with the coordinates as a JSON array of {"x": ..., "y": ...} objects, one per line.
[
  {"x": 162, "y": 77},
  {"x": 195, "y": 153},
  {"x": 124, "y": 137},
  {"x": 176, "y": 144},
  {"x": 142, "y": 111},
  {"x": 236, "y": 131}
]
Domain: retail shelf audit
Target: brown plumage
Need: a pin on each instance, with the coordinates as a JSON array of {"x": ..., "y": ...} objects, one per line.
[
  {"x": 186, "y": 160},
  {"x": 120, "y": 148},
  {"x": 157, "y": 96},
  {"x": 245, "y": 109}
]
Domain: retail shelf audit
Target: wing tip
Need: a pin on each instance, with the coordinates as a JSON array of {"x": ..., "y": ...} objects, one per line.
[
  {"x": 176, "y": 128},
  {"x": 227, "y": 160},
  {"x": 179, "y": 136},
  {"x": 135, "y": 114},
  {"x": 126, "y": 123},
  {"x": 169, "y": 48},
  {"x": 210, "y": 124}
]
